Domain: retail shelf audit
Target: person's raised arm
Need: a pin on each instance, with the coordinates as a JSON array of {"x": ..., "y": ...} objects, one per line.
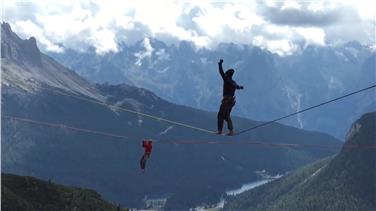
[{"x": 221, "y": 69}]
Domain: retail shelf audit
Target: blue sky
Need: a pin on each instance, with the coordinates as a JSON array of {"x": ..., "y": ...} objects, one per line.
[{"x": 278, "y": 26}]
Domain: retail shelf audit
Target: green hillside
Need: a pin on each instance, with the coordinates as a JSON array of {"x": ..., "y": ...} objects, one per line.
[
  {"x": 28, "y": 193},
  {"x": 345, "y": 182}
]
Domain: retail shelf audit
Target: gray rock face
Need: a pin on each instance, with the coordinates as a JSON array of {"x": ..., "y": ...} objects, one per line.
[
  {"x": 17, "y": 50},
  {"x": 24, "y": 66}
]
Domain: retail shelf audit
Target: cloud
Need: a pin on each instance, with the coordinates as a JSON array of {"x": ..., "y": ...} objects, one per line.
[
  {"x": 144, "y": 54},
  {"x": 29, "y": 29},
  {"x": 297, "y": 17},
  {"x": 273, "y": 25},
  {"x": 308, "y": 14},
  {"x": 312, "y": 35},
  {"x": 186, "y": 20},
  {"x": 105, "y": 41},
  {"x": 280, "y": 47}
]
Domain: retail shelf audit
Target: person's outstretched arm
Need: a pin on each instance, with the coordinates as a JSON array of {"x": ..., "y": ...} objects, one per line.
[{"x": 239, "y": 87}]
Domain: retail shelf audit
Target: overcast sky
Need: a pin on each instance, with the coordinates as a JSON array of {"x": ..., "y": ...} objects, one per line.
[{"x": 278, "y": 26}]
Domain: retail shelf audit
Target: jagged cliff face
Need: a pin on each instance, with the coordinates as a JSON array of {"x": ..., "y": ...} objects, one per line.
[
  {"x": 26, "y": 68},
  {"x": 21, "y": 52},
  {"x": 363, "y": 131}
]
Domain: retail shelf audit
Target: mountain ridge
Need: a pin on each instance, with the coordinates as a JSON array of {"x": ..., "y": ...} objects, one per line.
[
  {"x": 345, "y": 181},
  {"x": 28, "y": 193},
  {"x": 274, "y": 85},
  {"x": 36, "y": 70}
]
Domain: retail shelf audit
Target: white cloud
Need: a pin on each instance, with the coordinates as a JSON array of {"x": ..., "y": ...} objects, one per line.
[
  {"x": 366, "y": 9},
  {"x": 316, "y": 6},
  {"x": 280, "y": 47},
  {"x": 103, "y": 24},
  {"x": 105, "y": 40},
  {"x": 144, "y": 54},
  {"x": 312, "y": 35},
  {"x": 162, "y": 55},
  {"x": 290, "y": 4},
  {"x": 29, "y": 29}
]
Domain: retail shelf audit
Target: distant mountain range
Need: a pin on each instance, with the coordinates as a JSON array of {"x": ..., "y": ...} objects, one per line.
[
  {"x": 36, "y": 87},
  {"x": 346, "y": 181},
  {"x": 274, "y": 85},
  {"x": 32, "y": 194}
]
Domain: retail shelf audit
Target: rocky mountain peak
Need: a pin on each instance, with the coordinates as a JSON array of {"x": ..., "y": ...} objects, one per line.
[
  {"x": 25, "y": 67},
  {"x": 363, "y": 130},
  {"x": 18, "y": 50},
  {"x": 6, "y": 28}
]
